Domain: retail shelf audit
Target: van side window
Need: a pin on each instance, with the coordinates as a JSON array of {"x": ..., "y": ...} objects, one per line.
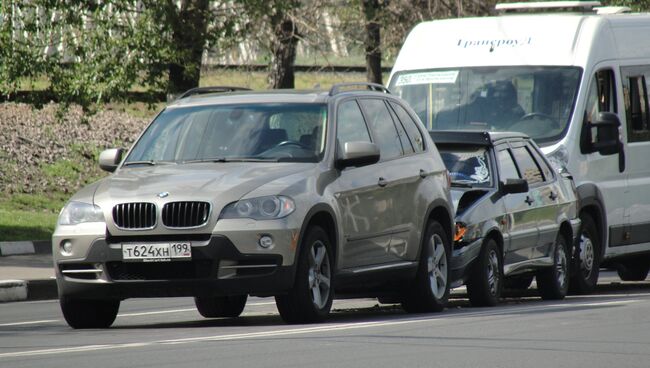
[
  {"x": 637, "y": 109},
  {"x": 601, "y": 98},
  {"x": 382, "y": 126},
  {"x": 351, "y": 127}
]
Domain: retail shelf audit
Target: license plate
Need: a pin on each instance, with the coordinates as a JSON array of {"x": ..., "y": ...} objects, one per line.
[{"x": 157, "y": 252}]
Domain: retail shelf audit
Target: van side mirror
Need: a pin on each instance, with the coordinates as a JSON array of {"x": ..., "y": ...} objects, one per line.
[
  {"x": 512, "y": 186},
  {"x": 357, "y": 154},
  {"x": 602, "y": 135},
  {"x": 109, "y": 159}
]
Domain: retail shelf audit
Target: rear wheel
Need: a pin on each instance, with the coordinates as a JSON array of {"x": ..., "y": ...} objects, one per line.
[
  {"x": 485, "y": 282},
  {"x": 553, "y": 282},
  {"x": 310, "y": 300},
  {"x": 586, "y": 260},
  {"x": 221, "y": 306},
  {"x": 634, "y": 270},
  {"x": 430, "y": 290},
  {"x": 82, "y": 313}
]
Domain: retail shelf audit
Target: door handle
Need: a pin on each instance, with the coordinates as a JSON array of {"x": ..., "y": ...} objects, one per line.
[
  {"x": 382, "y": 182},
  {"x": 529, "y": 200},
  {"x": 552, "y": 196},
  {"x": 423, "y": 174}
]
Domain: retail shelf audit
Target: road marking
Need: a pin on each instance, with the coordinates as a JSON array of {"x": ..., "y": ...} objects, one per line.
[
  {"x": 29, "y": 322},
  {"x": 308, "y": 330}
]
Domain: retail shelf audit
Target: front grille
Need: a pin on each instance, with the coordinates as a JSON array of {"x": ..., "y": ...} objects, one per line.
[
  {"x": 185, "y": 214},
  {"x": 134, "y": 216},
  {"x": 181, "y": 270}
]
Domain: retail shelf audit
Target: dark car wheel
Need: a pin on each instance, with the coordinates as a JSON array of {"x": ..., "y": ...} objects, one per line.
[
  {"x": 553, "y": 282},
  {"x": 586, "y": 260},
  {"x": 310, "y": 300},
  {"x": 221, "y": 306},
  {"x": 485, "y": 282},
  {"x": 430, "y": 291},
  {"x": 634, "y": 270},
  {"x": 82, "y": 313}
]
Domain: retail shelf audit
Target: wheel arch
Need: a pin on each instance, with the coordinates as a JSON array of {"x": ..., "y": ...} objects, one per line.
[
  {"x": 440, "y": 211},
  {"x": 322, "y": 215},
  {"x": 592, "y": 204}
]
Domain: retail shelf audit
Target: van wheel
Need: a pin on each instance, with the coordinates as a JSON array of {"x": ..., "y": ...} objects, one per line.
[
  {"x": 430, "y": 290},
  {"x": 553, "y": 282},
  {"x": 311, "y": 298},
  {"x": 486, "y": 280},
  {"x": 87, "y": 313},
  {"x": 221, "y": 306},
  {"x": 586, "y": 260},
  {"x": 634, "y": 270},
  {"x": 518, "y": 282}
]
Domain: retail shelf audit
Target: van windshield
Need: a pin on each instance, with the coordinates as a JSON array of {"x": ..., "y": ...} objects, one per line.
[{"x": 536, "y": 100}]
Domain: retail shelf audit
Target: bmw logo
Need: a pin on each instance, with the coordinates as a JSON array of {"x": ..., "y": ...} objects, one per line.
[{"x": 163, "y": 194}]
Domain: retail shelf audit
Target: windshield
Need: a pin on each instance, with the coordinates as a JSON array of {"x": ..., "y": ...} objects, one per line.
[
  {"x": 255, "y": 132},
  {"x": 467, "y": 166},
  {"x": 534, "y": 100}
]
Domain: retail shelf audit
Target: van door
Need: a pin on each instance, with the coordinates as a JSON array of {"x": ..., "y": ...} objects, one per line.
[
  {"x": 636, "y": 83},
  {"x": 606, "y": 171}
]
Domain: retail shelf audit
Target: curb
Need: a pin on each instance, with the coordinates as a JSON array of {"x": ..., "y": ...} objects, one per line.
[
  {"x": 27, "y": 290},
  {"x": 13, "y": 248}
]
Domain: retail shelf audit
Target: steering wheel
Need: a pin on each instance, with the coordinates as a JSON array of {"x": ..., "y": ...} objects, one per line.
[
  {"x": 292, "y": 143},
  {"x": 541, "y": 116}
]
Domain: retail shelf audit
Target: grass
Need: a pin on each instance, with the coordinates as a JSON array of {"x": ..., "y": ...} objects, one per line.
[{"x": 33, "y": 216}]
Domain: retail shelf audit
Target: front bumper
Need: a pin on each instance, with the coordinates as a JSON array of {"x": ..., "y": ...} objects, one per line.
[
  {"x": 462, "y": 259},
  {"x": 215, "y": 269}
]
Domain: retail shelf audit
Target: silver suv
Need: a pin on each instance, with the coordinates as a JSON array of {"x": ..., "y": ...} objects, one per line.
[{"x": 297, "y": 195}]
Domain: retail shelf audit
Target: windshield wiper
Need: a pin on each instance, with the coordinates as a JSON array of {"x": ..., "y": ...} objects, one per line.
[
  {"x": 144, "y": 162},
  {"x": 460, "y": 185},
  {"x": 233, "y": 159}
]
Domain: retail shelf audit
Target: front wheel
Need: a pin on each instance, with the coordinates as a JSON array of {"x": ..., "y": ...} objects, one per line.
[
  {"x": 553, "y": 282},
  {"x": 311, "y": 298},
  {"x": 430, "y": 290},
  {"x": 86, "y": 313},
  {"x": 485, "y": 282},
  {"x": 221, "y": 306},
  {"x": 586, "y": 260}
]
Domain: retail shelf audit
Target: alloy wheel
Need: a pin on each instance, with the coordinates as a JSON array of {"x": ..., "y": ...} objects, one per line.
[
  {"x": 437, "y": 266},
  {"x": 319, "y": 274}
]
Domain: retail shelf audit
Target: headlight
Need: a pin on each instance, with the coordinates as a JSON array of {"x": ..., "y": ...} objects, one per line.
[
  {"x": 78, "y": 212},
  {"x": 261, "y": 208},
  {"x": 466, "y": 233},
  {"x": 559, "y": 159}
]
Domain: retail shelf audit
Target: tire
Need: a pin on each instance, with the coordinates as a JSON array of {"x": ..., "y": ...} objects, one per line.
[
  {"x": 586, "y": 259},
  {"x": 553, "y": 282},
  {"x": 518, "y": 282},
  {"x": 486, "y": 279},
  {"x": 634, "y": 270},
  {"x": 430, "y": 290},
  {"x": 311, "y": 298},
  {"x": 221, "y": 306},
  {"x": 82, "y": 313}
]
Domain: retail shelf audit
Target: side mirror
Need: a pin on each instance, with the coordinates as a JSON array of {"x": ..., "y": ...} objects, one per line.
[
  {"x": 109, "y": 159},
  {"x": 512, "y": 186},
  {"x": 357, "y": 154},
  {"x": 602, "y": 135}
]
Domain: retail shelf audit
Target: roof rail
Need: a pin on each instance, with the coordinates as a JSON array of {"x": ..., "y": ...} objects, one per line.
[
  {"x": 336, "y": 89},
  {"x": 211, "y": 89},
  {"x": 584, "y": 6},
  {"x": 601, "y": 10}
]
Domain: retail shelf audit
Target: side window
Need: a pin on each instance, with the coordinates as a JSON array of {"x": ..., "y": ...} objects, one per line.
[
  {"x": 527, "y": 166},
  {"x": 546, "y": 170},
  {"x": 351, "y": 126},
  {"x": 601, "y": 98},
  {"x": 507, "y": 167},
  {"x": 407, "y": 146},
  {"x": 635, "y": 96},
  {"x": 382, "y": 127},
  {"x": 414, "y": 134}
]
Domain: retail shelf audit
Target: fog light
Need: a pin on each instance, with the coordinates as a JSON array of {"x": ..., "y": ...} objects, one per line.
[
  {"x": 66, "y": 248},
  {"x": 266, "y": 241}
]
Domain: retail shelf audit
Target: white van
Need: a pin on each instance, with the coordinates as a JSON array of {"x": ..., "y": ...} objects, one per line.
[{"x": 573, "y": 76}]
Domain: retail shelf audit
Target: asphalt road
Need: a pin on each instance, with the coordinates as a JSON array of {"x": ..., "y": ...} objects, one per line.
[{"x": 607, "y": 329}]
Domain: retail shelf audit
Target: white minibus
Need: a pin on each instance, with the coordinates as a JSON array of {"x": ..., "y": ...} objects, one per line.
[{"x": 572, "y": 75}]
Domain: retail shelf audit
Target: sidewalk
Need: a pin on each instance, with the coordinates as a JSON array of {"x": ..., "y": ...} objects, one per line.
[{"x": 25, "y": 276}]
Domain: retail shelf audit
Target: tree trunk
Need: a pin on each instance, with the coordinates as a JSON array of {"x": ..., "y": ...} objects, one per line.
[
  {"x": 189, "y": 35},
  {"x": 283, "y": 48},
  {"x": 371, "y": 9}
]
